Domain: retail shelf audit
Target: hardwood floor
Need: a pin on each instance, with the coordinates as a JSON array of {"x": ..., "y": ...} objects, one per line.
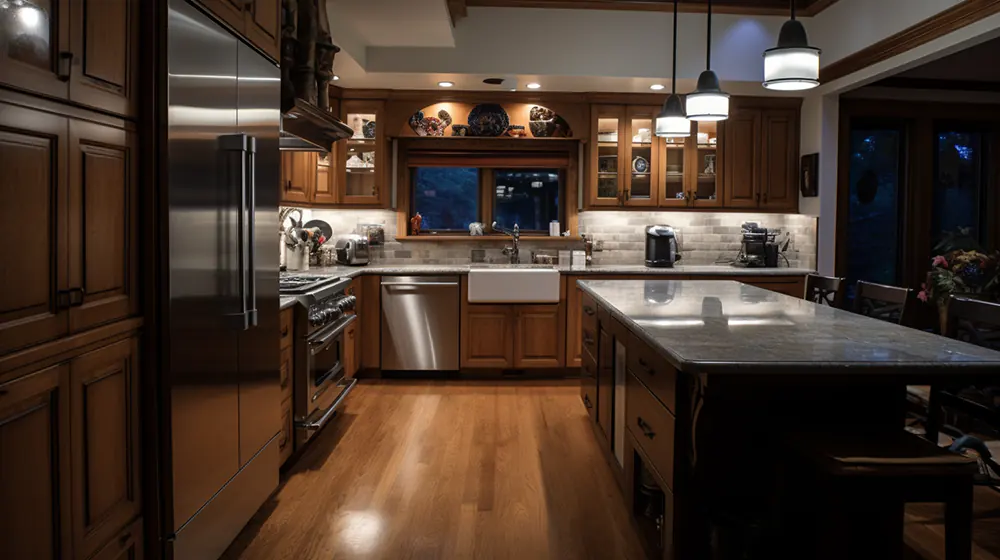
[
  {"x": 448, "y": 470},
  {"x": 435, "y": 469}
]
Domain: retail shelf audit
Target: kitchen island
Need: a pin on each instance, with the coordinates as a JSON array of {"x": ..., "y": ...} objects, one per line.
[{"x": 693, "y": 387}]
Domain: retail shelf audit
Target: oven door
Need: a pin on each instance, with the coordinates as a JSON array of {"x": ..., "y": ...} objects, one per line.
[{"x": 325, "y": 381}]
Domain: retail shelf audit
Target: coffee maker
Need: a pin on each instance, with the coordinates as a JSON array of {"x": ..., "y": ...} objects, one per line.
[
  {"x": 760, "y": 248},
  {"x": 661, "y": 247}
]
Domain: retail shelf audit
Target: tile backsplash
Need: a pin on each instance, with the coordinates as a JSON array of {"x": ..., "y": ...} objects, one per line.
[{"x": 705, "y": 237}]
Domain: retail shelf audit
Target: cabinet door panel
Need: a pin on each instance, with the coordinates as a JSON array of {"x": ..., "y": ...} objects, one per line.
[
  {"x": 325, "y": 192},
  {"x": 127, "y": 546},
  {"x": 263, "y": 26},
  {"x": 34, "y": 50},
  {"x": 362, "y": 171},
  {"x": 539, "y": 342},
  {"x": 102, "y": 221},
  {"x": 229, "y": 11},
  {"x": 103, "y": 73},
  {"x": 34, "y": 465},
  {"x": 105, "y": 444},
  {"x": 487, "y": 337},
  {"x": 32, "y": 225},
  {"x": 298, "y": 175},
  {"x": 779, "y": 160},
  {"x": 741, "y": 155},
  {"x": 606, "y": 184}
]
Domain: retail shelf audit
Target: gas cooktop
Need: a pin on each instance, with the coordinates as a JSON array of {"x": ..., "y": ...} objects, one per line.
[{"x": 311, "y": 289}]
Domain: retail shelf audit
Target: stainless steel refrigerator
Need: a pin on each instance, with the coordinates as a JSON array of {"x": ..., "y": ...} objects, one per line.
[{"x": 222, "y": 403}]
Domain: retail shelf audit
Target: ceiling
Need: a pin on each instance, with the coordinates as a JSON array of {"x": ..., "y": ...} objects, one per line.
[
  {"x": 975, "y": 64},
  {"x": 746, "y": 7}
]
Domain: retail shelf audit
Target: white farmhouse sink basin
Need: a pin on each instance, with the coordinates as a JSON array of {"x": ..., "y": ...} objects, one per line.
[{"x": 514, "y": 285}]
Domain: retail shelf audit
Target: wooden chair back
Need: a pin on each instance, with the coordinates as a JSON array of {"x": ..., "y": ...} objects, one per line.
[
  {"x": 885, "y": 303},
  {"x": 825, "y": 290},
  {"x": 974, "y": 321}
]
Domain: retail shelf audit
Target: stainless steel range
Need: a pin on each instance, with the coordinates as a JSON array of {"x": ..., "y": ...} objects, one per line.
[{"x": 319, "y": 383}]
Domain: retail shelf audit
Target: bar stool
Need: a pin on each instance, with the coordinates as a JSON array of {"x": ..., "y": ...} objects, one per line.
[
  {"x": 825, "y": 290},
  {"x": 976, "y": 322},
  {"x": 886, "y": 303},
  {"x": 860, "y": 484}
]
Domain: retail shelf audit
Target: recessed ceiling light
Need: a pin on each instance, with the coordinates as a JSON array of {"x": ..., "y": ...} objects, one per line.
[
  {"x": 533, "y": 85},
  {"x": 336, "y": 77},
  {"x": 656, "y": 87},
  {"x": 446, "y": 84}
]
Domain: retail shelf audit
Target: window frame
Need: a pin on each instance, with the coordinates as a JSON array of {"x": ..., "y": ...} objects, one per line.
[
  {"x": 559, "y": 154},
  {"x": 479, "y": 195}
]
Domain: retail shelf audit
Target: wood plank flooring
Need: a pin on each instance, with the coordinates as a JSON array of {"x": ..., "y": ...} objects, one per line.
[{"x": 446, "y": 469}]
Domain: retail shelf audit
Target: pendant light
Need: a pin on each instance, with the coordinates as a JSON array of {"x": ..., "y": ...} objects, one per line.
[
  {"x": 708, "y": 102},
  {"x": 672, "y": 122},
  {"x": 793, "y": 65}
]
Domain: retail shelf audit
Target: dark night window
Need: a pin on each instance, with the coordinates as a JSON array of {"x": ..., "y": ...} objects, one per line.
[
  {"x": 526, "y": 197},
  {"x": 446, "y": 197},
  {"x": 959, "y": 189}
]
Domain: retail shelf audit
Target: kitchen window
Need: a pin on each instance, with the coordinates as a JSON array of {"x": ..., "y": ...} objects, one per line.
[
  {"x": 446, "y": 197},
  {"x": 528, "y": 198}
]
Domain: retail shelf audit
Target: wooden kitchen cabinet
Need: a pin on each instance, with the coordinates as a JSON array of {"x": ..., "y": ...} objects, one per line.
[
  {"x": 257, "y": 20},
  {"x": 487, "y": 336},
  {"x": 103, "y": 225},
  {"x": 760, "y": 159},
  {"x": 128, "y": 545},
  {"x": 286, "y": 437},
  {"x": 104, "y": 404},
  {"x": 642, "y": 151},
  {"x": 34, "y": 305},
  {"x": 607, "y": 125},
  {"x": 298, "y": 177},
  {"x": 363, "y": 160},
  {"x": 105, "y": 65},
  {"x": 325, "y": 192},
  {"x": 351, "y": 362},
  {"x": 625, "y": 157},
  {"x": 539, "y": 339},
  {"x": 35, "y": 456},
  {"x": 78, "y": 50}
]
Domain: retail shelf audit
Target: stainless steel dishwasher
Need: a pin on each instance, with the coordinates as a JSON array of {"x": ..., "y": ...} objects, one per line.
[{"x": 420, "y": 323}]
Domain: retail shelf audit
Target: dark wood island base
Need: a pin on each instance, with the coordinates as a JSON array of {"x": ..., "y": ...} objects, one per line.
[{"x": 696, "y": 397}]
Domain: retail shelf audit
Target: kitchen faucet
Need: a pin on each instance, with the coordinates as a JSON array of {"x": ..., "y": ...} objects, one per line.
[{"x": 514, "y": 234}]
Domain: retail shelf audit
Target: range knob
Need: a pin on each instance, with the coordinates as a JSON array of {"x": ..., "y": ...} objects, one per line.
[{"x": 347, "y": 303}]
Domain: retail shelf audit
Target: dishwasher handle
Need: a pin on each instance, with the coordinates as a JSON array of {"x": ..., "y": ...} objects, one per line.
[{"x": 419, "y": 284}]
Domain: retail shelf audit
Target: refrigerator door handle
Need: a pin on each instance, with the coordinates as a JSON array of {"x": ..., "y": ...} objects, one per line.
[
  {"x": 252, "y": 226},
  {"x": 238, "y": 143}
]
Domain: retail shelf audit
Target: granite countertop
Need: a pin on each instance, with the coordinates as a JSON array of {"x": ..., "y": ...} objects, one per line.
[
  {"x": 417, "y": 269},
  {"x": 734, "y": 328}
]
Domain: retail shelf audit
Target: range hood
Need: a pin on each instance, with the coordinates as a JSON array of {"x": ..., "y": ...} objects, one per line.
[{"x": 305, "y": 128}]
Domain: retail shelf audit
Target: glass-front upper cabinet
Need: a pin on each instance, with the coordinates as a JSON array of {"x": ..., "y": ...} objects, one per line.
[
  {"x": 34, "y": 45},
  {"x": 704, "y": 185},
  {"x": 642, "y": 158},
  {"x": 675, "y": 171},
  {"x": 608, "y": 134},
  {"x": 363, "y": 157}
]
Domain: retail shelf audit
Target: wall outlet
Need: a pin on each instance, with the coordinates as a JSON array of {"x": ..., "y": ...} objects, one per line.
[{"x": 599, "y": 245}]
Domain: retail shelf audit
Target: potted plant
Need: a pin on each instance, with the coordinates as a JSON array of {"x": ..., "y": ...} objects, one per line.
[{"x": 961, "y": 272}]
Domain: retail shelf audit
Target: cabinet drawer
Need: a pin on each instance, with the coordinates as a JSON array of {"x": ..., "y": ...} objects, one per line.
[
  {"x": 286, "y": 327},
  {"x": 588, "y": 342},
  {"x": 654, "y": 371},
  {"x": 588, "y": 366},
  {"x": 652, "y": 426},
  {"x": 588, "y": 394},
  {"x": 285, "y": 436},
  {"x": 285, "y": 369},
  {"x": 588, "y": 313}
]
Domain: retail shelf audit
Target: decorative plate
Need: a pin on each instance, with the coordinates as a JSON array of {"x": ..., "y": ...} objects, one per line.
[
  {"x": 640, "y": 164},
  {"x": 430, "y": 126},
  {"x": 459, "y": 130},
  {"x": 488, "y": 119},
  {"x": 545, "y": 123},
  {"x": 368, "y": 129}
]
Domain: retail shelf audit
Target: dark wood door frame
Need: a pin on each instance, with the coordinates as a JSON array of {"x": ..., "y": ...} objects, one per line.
[{"x": 919, "y": 122}]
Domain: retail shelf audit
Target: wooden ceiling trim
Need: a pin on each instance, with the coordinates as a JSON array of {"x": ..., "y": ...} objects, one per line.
[
  {"x": 457, "y": 10},
  {"x": 934, "y": 27},
  {"x": 807, "y": 8}
]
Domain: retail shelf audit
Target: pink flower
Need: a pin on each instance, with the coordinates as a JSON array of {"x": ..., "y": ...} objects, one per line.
[
  {"x": 940, "y": 261},
  {"x": 922, "y": 296}
]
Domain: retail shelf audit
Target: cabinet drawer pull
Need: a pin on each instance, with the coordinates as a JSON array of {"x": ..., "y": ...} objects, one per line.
[
  {"x": 647, "y": 430},
  {"x": 645, "y": 366},
  {"x": 765, "y": 198},
  {"x": 123, "y": 540},
  {"x": 588, "y": 340},
  {"x": 588, "y": 310},
  {"x": 63, "y": 67},
  {"x": 586, "y": 402},
  {"x": 284, "y": 332}
]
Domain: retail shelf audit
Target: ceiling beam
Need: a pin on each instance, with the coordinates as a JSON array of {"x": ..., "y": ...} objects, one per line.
[{"x": 740, "y": 7}]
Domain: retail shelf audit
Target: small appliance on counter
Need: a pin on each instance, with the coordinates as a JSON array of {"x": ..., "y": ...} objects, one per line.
[
  {"x": 661, "y": 247},
  {"x": 352, "y": 250},
  {"x": 760, "y": 247}
]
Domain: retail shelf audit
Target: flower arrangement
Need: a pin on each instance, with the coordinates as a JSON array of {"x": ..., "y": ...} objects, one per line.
[{"x": 962, "y": 272}]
